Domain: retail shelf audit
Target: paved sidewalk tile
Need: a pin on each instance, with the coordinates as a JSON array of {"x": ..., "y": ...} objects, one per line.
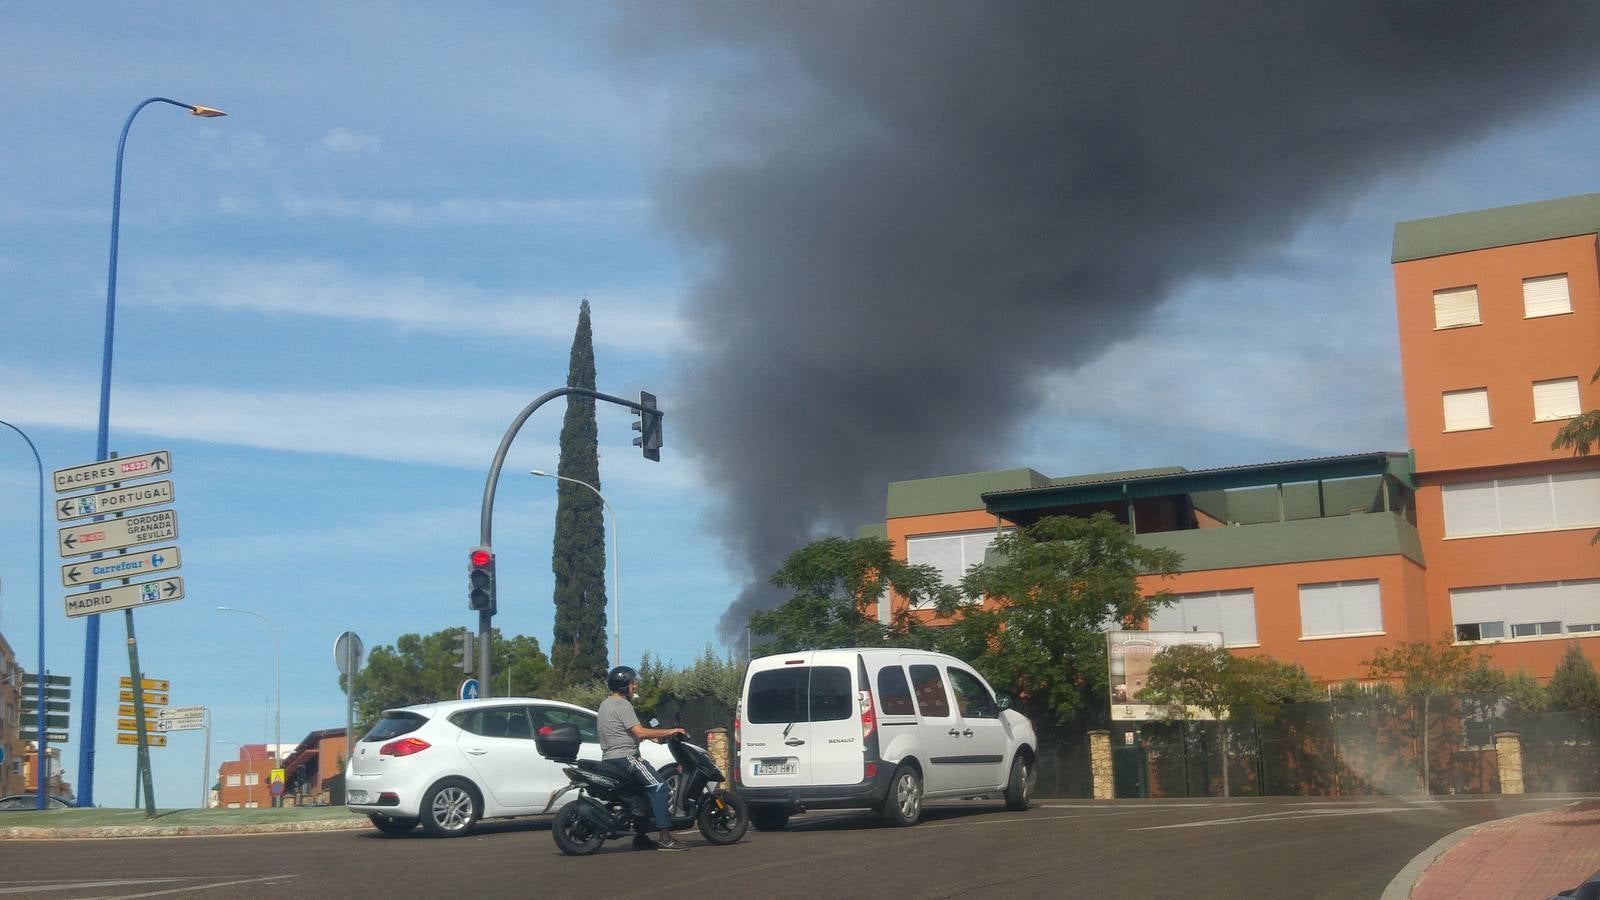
[{"x": 1533, "y": 856}]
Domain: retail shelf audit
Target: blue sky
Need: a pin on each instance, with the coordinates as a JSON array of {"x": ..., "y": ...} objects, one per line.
[{"x": 332, "y": 302}]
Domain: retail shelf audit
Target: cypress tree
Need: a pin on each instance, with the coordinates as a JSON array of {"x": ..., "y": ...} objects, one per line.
[{"x": 578, "y": 650}]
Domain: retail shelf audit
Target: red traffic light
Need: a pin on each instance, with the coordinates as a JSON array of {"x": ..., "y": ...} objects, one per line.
[{"x": 481, "y": 557}]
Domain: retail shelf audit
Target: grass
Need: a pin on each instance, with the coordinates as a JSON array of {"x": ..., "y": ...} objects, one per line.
[{"x": 105, "y": 816}]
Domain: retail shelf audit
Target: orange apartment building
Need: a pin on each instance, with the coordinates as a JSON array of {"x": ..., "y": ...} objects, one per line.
[
  {"x": 1481, "y": 531},
  {"x": 243, "y": 783}
]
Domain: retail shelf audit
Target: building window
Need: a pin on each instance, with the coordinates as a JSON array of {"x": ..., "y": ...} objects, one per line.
[
  {"x": 1517, "y": 505},
  {"x": 252, "y": 778},
  {"x": 1466, "y": 410},
  {"x": 1231, "y": 612},
  {"x": 1340, "y": 608},
  {"x": 233, "y": 780},
  {"x": 1556, "y": 399},
  {"x": 1455, "y": 307},
  {"x": 1526, "y": 610},
  {"x": 233, "y": 806},
  {"x": 1546, "y": 296},
  {"x": 951, "y": 554},
  {"x": 251, "y": 805}
]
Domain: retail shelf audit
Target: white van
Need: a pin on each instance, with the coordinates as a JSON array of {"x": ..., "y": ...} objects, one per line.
[{"x": 875, "y": 728}]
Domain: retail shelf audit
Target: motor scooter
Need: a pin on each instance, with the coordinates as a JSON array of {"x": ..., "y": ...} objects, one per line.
[{"x": 608, "y": 807}]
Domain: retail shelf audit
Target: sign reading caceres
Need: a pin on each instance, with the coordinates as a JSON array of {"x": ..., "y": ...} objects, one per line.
[
  {"x": 113, "y": 534},
  {"x": 124, "y": 468}
]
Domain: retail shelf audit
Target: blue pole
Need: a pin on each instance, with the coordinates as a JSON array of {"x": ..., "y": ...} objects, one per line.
[
  {"x": 91, "y": 637},
  {"x": 39, "y": 763}
]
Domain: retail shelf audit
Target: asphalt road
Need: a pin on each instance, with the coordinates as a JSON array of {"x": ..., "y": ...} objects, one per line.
[{"x": 1265, "y": 848}]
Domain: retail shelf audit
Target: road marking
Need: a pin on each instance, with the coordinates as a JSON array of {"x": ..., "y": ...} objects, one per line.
[
  {"x": 1287, "y": 816},
  {"x": 204, "y": 887},
  {"x": 81, "y": 885}
]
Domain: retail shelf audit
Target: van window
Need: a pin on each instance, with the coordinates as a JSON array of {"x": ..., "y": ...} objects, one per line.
[
  {"x": 931, "y": 698},
  {"x": 894, "y": 695},
  {"x": 800, "y": 694},
  {"x": 971, "y": 696}
]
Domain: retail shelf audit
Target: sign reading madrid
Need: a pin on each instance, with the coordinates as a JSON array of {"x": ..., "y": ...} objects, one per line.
[
  {"x": 113, "y": 534},
  {"x": 145, "y": 562},
  {"x": 125, "y": 596},
  {"x": 106, "y": 502},
  {"x": 107, "y": 471}
]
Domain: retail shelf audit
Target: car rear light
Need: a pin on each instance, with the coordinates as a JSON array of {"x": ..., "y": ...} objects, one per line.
[
  {"x": 872, "y": 770},
  {"x": 869, "y": 716},
  {"x": 403, "y": 747},
  {"x": 736, "y": 741},
  {"x": 388, "y": 798}
]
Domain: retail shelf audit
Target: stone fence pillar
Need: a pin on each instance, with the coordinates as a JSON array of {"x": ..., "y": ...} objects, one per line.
[
  {"x": 717, "y": 746},
  {"x": 1508, "y": 747},
  {"x": 1100, "y": 764}
]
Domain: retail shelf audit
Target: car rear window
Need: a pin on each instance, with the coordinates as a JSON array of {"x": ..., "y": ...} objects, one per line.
[
  {"x": 799, "y": 694},
  {"x": 394, "y": 724},
  {"x": 894, "y": 695}
]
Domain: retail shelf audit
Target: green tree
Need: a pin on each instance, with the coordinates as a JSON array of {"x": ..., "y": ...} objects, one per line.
[
  {"x": 1225, "y": 687},
  {"x": 1424, "y": 670},
  {"x": 1526, "y": 693},
  {"x": 578, "y": 647},
  {"x": 1051, "y": 590},
  {"x": 1574, "y": 686},
  {"x": 420, "y": 668},
  {"x": 1581, "y": 435},
  {"x": 835, "y": 580}
]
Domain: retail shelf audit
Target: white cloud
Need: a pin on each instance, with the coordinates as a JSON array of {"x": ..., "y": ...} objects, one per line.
[
  {"x": 350, "y": 143},
  {"x": 328, "y": 290},
  {"x": 452, "y": 211}
]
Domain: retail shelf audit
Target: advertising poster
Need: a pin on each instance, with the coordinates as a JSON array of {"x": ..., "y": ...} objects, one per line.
[{"x": 1130, "y": 654}]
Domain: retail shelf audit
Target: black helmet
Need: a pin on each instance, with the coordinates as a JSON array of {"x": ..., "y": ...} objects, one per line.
[{"x": 618, "y": 679}]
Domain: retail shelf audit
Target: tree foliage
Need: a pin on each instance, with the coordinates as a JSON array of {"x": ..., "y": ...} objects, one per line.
[
  {"x": 1052, "y": 588},
  {"x": 1216, "y": 681},
  {"x": 720, "y": 678},
  {"x": 420, "y": 668},
  {"x": 578, "y": 649},
  {"x": 1424, "y": 668},
  {"x": 1574, "y": 686},
  {"x": 835, "y": 582},
  {"x": 1581, "y": 435}
]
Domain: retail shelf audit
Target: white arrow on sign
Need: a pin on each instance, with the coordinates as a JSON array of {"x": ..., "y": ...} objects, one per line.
[
  {"x": 129, "y": 565},
  {"x": 107, "y": 502},
  {"x": 125, "y": 468},
  {"x": 127, "y": 596},
  {"x": 113, "y": 534}
]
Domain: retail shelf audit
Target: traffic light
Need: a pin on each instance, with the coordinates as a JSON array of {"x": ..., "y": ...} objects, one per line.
[
  {"x": 480, "y": 580},
  {"x": 648, "y": 426},
  {"x": 468, "y": 657}
]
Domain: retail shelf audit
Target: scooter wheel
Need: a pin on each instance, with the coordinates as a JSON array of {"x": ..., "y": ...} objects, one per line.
[
  {"x": 724, "y": 818},
  {"x": 575, "y": 835}
]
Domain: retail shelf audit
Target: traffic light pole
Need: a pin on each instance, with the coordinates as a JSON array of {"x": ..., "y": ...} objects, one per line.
[{"x": 486, "y": 517}]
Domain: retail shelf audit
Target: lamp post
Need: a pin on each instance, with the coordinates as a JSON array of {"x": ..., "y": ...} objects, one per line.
[
  {"x": 277, "y": 698},
  {"x": 91, "y": 639},
  {"x": 39, "y": 757},
  {"x": 250, "y": 789},
  {"x": 616, "y": 565}
]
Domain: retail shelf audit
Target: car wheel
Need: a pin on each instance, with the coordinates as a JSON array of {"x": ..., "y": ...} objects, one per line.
[
  {"x": 450, "y": 809},
  {"x": 903, "y": 806},
  {"x": 389, "y": 825},
  {"x": 1019, "y": 790},
  {"x": 768, "y": 818},
  {"x": 669, "y": 775}
]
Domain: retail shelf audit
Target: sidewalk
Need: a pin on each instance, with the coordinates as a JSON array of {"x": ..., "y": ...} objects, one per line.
[
  {"x": 1533, "y": 856},
  {"x": 71, "y": 824}
]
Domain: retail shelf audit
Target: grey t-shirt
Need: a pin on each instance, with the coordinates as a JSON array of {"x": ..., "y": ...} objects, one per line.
[{"x": 616, "y": 717}]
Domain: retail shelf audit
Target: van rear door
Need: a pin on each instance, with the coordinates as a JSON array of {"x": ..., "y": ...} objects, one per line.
[
  {"x": 774, "y": 734},
  {"x": 836, "y": 748}
]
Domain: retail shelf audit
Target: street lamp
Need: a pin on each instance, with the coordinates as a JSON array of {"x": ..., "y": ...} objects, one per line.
[
  {"x": 250, "y": 788},
  {"x": 39, "y": 757},
  {"x": 91, "y": 638},
  {"x": 277, "y": 697},
  {"x": 616, "y": 565}
]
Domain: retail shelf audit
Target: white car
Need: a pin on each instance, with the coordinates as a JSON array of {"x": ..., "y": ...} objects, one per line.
[
  {"x": 875, "y": 728},
  {"x": 450, "y": 764}
]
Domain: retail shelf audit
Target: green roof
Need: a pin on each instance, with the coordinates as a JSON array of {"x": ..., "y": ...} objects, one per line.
[
  {"x": 955, "y": 493},
  {"x": 1500, "y": 227},
  {"x": 1306, "y": 540},
  {"x": 879, "y": 531}
]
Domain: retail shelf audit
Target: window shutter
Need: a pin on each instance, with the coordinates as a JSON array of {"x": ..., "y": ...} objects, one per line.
[
  {"x": 1457, "y": 306},
  {"x": 1525, "y": 504},
  {"x": 1556, "y": 399},
  {"x": 1577, "y": 499},
  {"x": 1236, "y": 617},
  {"x": 1467, "y": 409},
  {"x": 1470, "y": 509},
  {"x": 1547, "y": 296},
  {"x": 1319, "y": 609},
  {"x": 1360, "y": 607},
  {"x": 1469, "y": 605},
  {"x": 1580, "y": 602}
]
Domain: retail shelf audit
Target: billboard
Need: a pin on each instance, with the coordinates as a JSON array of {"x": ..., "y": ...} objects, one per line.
[{"x": 1130, "y": 654}]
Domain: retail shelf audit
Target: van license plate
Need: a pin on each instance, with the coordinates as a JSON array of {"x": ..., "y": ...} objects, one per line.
[
  {"x": 356, "y": 797},
  {"x": 777, "y": 767}
]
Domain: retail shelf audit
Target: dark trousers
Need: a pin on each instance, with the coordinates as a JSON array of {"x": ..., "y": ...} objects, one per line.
[{"x": 639, "y": 772}]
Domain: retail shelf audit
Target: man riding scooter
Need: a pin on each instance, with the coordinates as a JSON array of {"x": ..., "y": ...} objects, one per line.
[{"x": 620, "y": 734}]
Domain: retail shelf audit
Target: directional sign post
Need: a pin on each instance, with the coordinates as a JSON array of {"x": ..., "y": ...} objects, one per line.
[
  {"x": 114, "y": 534},
  {"x": 129, "y": 565},
  {"x": 127, "y": 596},
  {"x": 469, "y": 689},
  {"x": 126, "y": 468},
  {"x": 148, "y": 684},
  {"x": 152, "y": 739},
  {"x": 107, "y": 502}
]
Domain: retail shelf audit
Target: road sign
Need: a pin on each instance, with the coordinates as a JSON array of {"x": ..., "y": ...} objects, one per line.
[
  {"x": 126, "y": 710},
  {"x": 56, "y": 737},
  {"x": 128, "y": 565},
  {"x": 149, "y": 698},
  {"x": 29, "y": 679},
  {"x": 150, "y": 739},
  {"x": 30, "y": 721},
  {"x": 126, "y": 596},
  {"x": 468, "y": 689},
  {"x": 347, "y": 650},
  {"x": 150, "y": 724},
  {"x": 182, "y": 712},
  {"x": 124, "y": 468},
  {"x": 107, "y": 502},
  {"x": 113, "y": 534},
  {"x": 149, "y": 684},
  {"x": 181, "y": 724}
]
